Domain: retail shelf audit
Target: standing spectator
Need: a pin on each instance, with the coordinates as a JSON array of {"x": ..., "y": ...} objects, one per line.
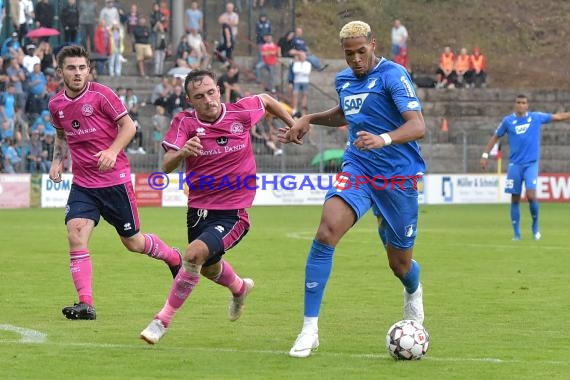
[
  {"x": 102, "y": 44},
  {"x": 403, "y": 59},
  {"x": 270, "y": 57},
  {"x": 462, "y": 69},
  {"x": 165, "y": 15},
  {"x": 131, "y": 101},
  {"x": 17, "y": 75},
  {"x": 479, "y": 66},
  {"x": 230, "y": 90},
  {"x": 45, "y": 13},
  {"x": 12, "y": 159},
  {"x": 132, "y": 22},
  {"x": 48, "y": 143},
  {"x": 231, "y": 18},
  {"x": 177, "y": 101},
  {"x": 160, "y": 48},
  {"x": 116, "y": 48},
  {"x": 30, "y": 59},
  {"x": 300, "y": 45},
  {"x": 198, "y": 46},
  {"x": 160, "y": 124},
  {"x": 47, "y": 58},
  {"x": 399, "y": 37},
  {"x": 11, "y": 47},
  {"x": 87, "y": 22},
  {"x": 286, "y": 44},
  {"x": 36, "y": 84},
  {"x": 143, "y": 48},
  {"x": 194, "y": 18},
  {"x": 226, "y": 46},
  {"x": 109, "y": 14},
  {"x": 26, "y": 18},
  {"x": 4, "y": 79},
  {"x": 155, "y": 17},
  {"x": 101, "y": 174},
  {"x": 301, "y": 81},
  {"x": 445, "y": 73},
  {"x": 161, "y": 90},
  {"x": 262, "y": 28},
  {"x": 35, "y": 157},
  {"x": 70, "y": 21}
]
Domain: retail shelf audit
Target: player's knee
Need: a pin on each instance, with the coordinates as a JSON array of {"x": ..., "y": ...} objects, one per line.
[{"x": 78, "y": 231}]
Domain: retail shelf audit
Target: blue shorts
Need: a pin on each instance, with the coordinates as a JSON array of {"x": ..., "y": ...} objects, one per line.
[
  {"x": 300, "y": 87},
  {"x": 395, "y": 200},
  {"x": 517, "y": 174},
  {"x": 117, "y": 204},
  {"x": 220, "y": 230}
]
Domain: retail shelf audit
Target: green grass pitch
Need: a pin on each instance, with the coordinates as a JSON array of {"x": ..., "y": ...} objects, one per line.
[{"x": 495, "y": 308}]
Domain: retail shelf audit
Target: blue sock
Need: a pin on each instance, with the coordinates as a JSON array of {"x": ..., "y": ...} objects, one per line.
[
  {"x": 317, "y": 273},
  {"x": 516, "y": 218},
  {"x": 533, "y": 205},
  {"x": 411, "y": 280}
]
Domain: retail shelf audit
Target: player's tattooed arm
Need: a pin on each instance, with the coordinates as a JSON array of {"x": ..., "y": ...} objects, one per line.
[{"x": 60, "y": 152}]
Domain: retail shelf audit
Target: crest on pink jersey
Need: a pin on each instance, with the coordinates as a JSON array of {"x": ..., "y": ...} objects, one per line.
[
  {"x": 236, "y": 128},
  {"x": 87, "y": 110}
]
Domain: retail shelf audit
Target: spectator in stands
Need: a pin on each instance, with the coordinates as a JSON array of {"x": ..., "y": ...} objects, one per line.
[
  {"x": 231, "y": 18},
  {"x": 230, "y": 90},
  {"x": 270, "y": 57},
  {"x": 165, "y": 20},
  {"x": 45, "y": 14},
  {"x": 8, "y": 104},
  {"x": 301, "y": 81},
  {"x": 403, "y": 59},
  {"x": 176, "y": 101},
  {"x": 87, "y": 22},
  {"x": 70, "y": 21},
  {"x": 17, "y": 76},
  {"x": 4, "y": 79},
  {"x": 47, "y": 58},
  {"x": 160, "y": 123},
  {"x": 37, "y": 93},
  {"x": 161, "y": 90},
  {"x": 47, "y": 149},
  {"x": 102, "y": 46},
  {"x": 479, "y": 66},
  {"x": 132, "y": 104},
  {"x": 30, "y": 59},
  {"x": 11, "y": 47},
  {"x": 462, "y": 69},
  {"x": 445, "y": 73},
  {"x": 160, "y": 48},
  {"x": 198, "y": 47},
  {"x": 286, "y": 44},
  {"x": 132, "y": 22},
  {"x": 12, "y": 159},
  {"x": 142, "y": 44},
  {"x": 300, "y": 45},
  {"x": 155, "y": 17},
  {"x": 255, "y": 2},
  {"x": 226, "y": 45},
  {"x": 262, "y": 28},
  {"x": 109, "y": 14},
  {"x": 399, "y": 38},
  {"x": 26, "y": 17},
  {"x": 194, "y": 18},
  {"x": 36, "y": 160},
  {"x": 116, "y": 48}
]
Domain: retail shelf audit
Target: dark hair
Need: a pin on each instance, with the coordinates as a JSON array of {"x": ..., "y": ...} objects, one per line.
[
  {"x": 196, "y": 76},
  {"x": 71, "y": 51},
  {"x": 521, "y": 96}
]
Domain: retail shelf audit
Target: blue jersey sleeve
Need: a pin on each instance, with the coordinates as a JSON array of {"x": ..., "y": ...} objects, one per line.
[
  {"x": 402, "y": 90},
  {"x": 502, "y": 128},
  {"x": 544, "y": 118}
]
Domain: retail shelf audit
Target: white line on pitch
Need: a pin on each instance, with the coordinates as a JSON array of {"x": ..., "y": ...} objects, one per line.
[{"x": 284, "y": 353}]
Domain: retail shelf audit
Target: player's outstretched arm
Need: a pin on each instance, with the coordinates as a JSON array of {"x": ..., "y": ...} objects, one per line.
[
  {"x": 274, "y": 108},
  {"x": 333, "y": 117},
  {"x": 60, "y": 151},
  {"x": 561, "y": 116}
]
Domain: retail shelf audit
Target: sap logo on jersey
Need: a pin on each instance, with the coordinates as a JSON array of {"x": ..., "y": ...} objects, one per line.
[
  {"x": 520, "y": 129},
  {"x": 353, "y": 103}
]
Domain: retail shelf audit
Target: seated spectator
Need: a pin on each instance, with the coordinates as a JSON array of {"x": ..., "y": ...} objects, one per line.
[
  {"x": 462, "y": 68},
  {"x": 229, "y": 87},
  {"x": 45, "y": 121},
  {"x": 11, "y": 47},
  {"x": 30, "y": 59},
  {"x": 479, "y": 67},
  {"x": 12, "y": 159},
  {"x": 36, "y": 162},
  {"x": 160, "y": 123},
  {"x": 176, "y": 101},
  {"x": 445, "y": 73},
  {"x": 300, "y": 45},
  {"x": 47, "y": 58},
  {"x": 198, "y": 48},
  {"x": 37, "y": 93},
  {"x": 161, "y": 90}
]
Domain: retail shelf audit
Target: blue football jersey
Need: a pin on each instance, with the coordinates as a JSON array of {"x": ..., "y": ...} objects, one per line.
[
  {"x": 375, "y": 103},
  {"x": 524, "y": 135}
]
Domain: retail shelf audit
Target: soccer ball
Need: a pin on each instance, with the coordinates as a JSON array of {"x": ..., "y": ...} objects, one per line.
[{"x": 407, "y": 340}]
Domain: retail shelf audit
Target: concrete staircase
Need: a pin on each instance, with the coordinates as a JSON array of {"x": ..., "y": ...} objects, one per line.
[{"x": 472, "y": 116}]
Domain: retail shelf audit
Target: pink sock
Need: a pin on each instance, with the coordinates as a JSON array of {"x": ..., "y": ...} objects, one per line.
[
  {"x": 157, "y": 249},
  {"x": 230, "y": 279},
  {"x": 183, "y": 285},
  {"x": 81, "y": 270}
]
